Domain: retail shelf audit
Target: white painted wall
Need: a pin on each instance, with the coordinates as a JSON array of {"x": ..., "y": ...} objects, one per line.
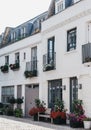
[{"x": 68, "y": 64}]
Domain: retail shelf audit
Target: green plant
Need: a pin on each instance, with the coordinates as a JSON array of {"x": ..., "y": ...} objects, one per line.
[
  {"x": 59, "y": 105},
  {"x": 12, "y": 100},
  {"x": 77, "y": 107},
  {"x": 37, "y": 102},
  {"x": 19, "y": 100},
  {"x": 87, "y": 119},
  {"x": 18, "y": 112},
  {"x": 9, "y": 112},
  {"x": 4, "y": 68}
]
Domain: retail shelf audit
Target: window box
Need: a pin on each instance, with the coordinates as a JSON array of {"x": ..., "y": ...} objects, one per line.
[
  {"x": 4, "y": 68},
  {"x": 48, "y": 67},
  {"x": 30, "y": 73},
  {"x": 14, "y": 66}
]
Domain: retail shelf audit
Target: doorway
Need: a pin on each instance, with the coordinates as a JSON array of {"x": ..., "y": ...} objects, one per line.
[{"x": 31, "y": 93}]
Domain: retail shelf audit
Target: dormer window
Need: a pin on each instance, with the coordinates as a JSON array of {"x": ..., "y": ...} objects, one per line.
[
  {"x": 23, "y": 32},
  {"x": 59, "y": 5},
  {"x": 13, "y": 36}
]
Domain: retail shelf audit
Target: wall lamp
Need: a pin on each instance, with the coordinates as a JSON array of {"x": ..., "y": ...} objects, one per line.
[
  {"x": 79, "y": 86},
  {"x": 64, "y": 87}
]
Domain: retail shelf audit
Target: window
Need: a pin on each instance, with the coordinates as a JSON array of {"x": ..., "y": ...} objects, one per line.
[
  {"x": 51, "y": 50},
  {"x": 24, "y": 55},
  {"x": 23, "y": 32},
  {"x": 7, "y": 93},
  {"x": 13, "y": 36},
  {"x": 34, "y": 58},
  {"x": 17, "y": 57},
  {"x": 59, "y": 6},
  {"x": 54, "y": 91},
  {"x": 71, "y": 39},
  {"x": 7, "y": 60}
]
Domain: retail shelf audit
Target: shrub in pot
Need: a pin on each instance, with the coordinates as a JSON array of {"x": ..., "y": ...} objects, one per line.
[{"x": 18, "y": 112}]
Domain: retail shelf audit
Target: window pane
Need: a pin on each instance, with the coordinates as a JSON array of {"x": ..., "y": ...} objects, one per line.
[{"x": 71, "y": 39}]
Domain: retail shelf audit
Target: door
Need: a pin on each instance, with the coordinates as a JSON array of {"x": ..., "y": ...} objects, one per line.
[
  {"x": 54, "y": 91},
  {"x": 73, "y": 91},
  {"x": 31, "y": 93}
]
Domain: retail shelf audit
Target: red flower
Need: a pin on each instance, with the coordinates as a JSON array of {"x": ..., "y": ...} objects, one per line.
[
  {"x": 58, "y": 114},
  {"x": 35, "y": 110}
]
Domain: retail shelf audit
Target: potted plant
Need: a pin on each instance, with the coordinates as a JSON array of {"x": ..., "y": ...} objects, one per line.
[
  {"x": 18, "y": 112},
  {"x": 59, "y": 113},
  {"x": 39, "y": 107},
  {"x": 4, "y": 68},
  {"x": 14, "y": 66},
  {"x": 87, "y": 122},
  {"x": 77, "y": 116},
  {"x": 19, "y": 100}
]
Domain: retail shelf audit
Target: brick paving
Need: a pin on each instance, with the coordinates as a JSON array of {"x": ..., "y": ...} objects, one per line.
[{"x": 12, "y": 123}]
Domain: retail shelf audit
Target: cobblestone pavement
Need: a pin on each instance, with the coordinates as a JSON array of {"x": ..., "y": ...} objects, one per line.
[{"x": 12, "y": 123}]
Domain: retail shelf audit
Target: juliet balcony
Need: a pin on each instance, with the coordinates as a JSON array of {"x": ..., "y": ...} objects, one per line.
[
  {"x": 86, "y": 54},
  {"x": 49, "y": 61},
  {"x": 31, "y": 69}
]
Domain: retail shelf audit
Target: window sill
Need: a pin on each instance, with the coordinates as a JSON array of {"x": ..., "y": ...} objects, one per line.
[{"x": 69, "y": 52}]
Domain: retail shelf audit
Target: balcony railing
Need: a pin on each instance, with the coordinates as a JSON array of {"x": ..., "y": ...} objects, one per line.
[
  {"x": 49, "y": 61},
  {"x": 31, "y": 69},
  {"x": 86, "y": 53}
]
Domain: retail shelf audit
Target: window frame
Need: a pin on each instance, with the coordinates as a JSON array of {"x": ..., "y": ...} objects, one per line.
[
  {"x": 71, "y": 45},
  {"x": 52, "y": 85},
  {"x": 7, "y": 60}
]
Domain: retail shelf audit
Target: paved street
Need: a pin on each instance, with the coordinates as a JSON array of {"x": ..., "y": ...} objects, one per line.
[{"x": 11, "y": 123}]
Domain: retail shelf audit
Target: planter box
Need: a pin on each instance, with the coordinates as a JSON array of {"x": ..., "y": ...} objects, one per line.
[
  {"x": 35, "y": 117},
  {"x": 76, "y": 124},
  {"x": 59, "y": 121}
]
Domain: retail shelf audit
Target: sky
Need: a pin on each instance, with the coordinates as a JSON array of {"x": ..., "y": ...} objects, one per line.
[{"x": 16, "y": 12}]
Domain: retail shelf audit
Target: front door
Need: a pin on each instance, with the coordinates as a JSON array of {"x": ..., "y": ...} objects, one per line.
[
  {"x": 73, "y": 91},
  {"x": 54, "y": 91},
  {"x": 31, "y": 93}
]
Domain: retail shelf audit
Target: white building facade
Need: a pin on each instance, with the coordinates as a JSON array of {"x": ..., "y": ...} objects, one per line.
[{"x": 60, "y": 53}]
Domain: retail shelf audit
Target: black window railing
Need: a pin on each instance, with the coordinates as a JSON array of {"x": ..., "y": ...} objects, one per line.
[
  {"x": 86, "y": 53},
  {"x": 49, "y": 61},
  {"x": 31, "y": 69}
]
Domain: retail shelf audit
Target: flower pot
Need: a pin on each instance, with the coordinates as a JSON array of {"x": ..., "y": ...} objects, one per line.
[
  {"x": 59, "y": 120},
  {"x": 35, "y": 117},
  {"x": 87, "y": 124},
  {"x": 76, "y": 124}
]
